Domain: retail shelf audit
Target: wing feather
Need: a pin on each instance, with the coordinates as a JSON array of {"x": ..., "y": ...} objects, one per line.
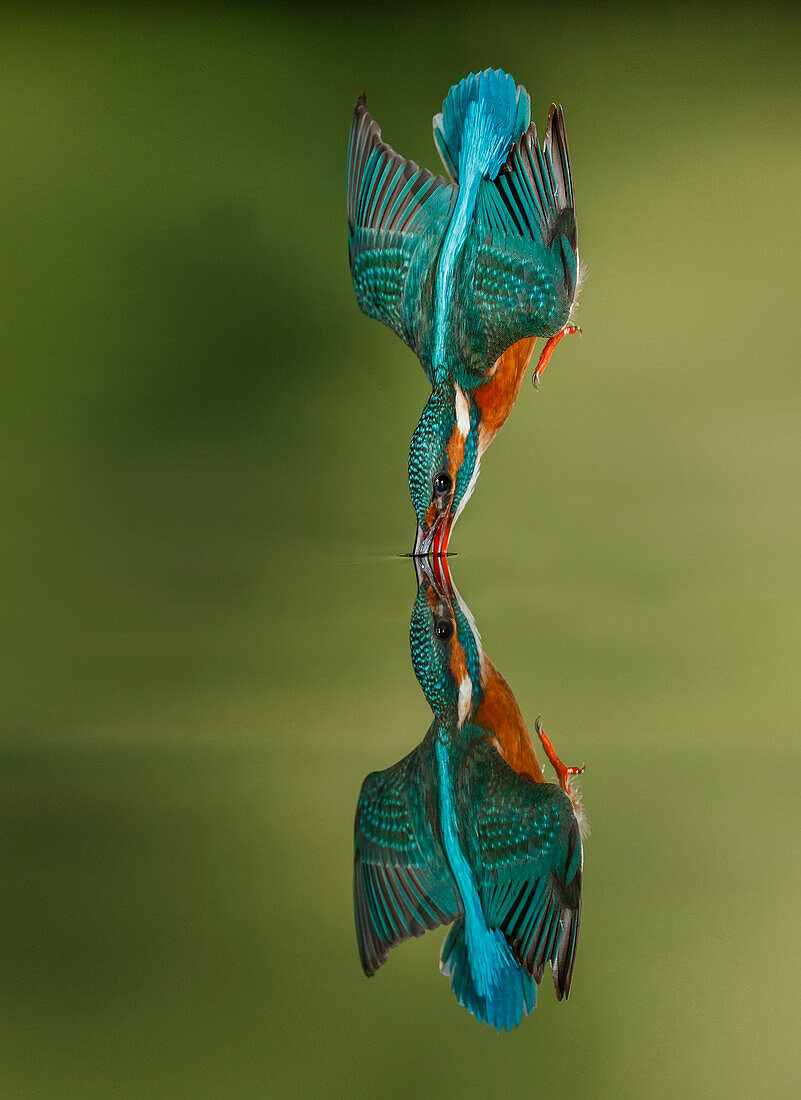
[
  {"x": 530, "y": 866},
  {"x": 397, "y": 215},
  {"x": 525, "y": 249},
  {"x": 402, "y": 883}
]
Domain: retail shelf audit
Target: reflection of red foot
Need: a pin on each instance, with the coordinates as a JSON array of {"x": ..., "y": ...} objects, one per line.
[
  {"x": 562, "y": 773},
  {"x": 547, "y": 351}
]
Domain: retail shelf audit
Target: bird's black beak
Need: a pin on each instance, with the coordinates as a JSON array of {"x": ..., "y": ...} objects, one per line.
[
  {"x": 423, "y": 542},
  {"x": 435, "y": 539}
]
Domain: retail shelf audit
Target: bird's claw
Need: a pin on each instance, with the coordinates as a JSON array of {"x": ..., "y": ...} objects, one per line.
[
  {"x": 563, "y": 773},
  {"x": 548, "y": 351}
]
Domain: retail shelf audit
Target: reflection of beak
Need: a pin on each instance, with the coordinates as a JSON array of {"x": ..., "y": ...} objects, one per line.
[
  {"x": 433, "y": 573},
  {"x": 443, "y": 574},
  {"x": 422, "y": 569}
]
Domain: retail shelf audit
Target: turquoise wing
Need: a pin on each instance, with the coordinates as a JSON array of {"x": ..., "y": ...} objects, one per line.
[
  {"x": 522, "y": 269},
  {"x": 528, "y": 858},
  {"x": 397, "y": 216},
  {"x": 402, "y": 883}
]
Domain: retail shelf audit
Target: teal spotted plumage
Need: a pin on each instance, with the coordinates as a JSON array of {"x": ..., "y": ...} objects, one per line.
[
  {"x": 453, "y": 835},
  {"x": 463, "y": 268}
]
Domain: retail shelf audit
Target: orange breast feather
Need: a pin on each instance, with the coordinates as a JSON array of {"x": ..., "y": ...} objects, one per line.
[
  {"x": 497, "y": 395},
  {"x": 500, "y": 713}
]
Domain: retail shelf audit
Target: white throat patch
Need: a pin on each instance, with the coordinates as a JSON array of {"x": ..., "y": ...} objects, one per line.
[
  {"x": 465, "y": 698},
  {"x": 462, "y": 410}
]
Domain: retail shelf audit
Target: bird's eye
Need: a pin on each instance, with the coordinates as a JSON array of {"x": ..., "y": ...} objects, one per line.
[
  {"x": 442, "y": 484},
  {"x": 443, "y": 628}
]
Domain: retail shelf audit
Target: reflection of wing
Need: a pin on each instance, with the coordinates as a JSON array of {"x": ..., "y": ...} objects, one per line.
[
  {"x": 529, "y": 865},
  {"x": 526, "y": 252},
  {"x": 402, "y": 883},
  {"x": 397, "y": 214}
]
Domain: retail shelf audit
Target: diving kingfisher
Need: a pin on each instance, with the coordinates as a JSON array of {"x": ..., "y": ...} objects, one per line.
[
  {"x": 468, "y": 271},
  {"x": 466, "y": 831}
]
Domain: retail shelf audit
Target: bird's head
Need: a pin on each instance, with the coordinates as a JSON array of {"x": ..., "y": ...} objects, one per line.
[
  {"x": 445, "y": 644},
  {"x": 443, "y": 465}
]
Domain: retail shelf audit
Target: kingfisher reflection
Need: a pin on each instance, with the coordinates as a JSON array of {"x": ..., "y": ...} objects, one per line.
[{"x": 466, "y": 831}]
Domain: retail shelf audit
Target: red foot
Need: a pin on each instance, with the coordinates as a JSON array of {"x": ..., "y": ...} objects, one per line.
[
  {"x": 562, "y": 773},
  {"x": 548, "y": 350}
]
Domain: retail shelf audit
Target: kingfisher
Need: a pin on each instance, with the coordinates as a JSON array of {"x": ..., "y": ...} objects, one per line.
[
  {"x": 466, "y": 831},
  {"x": 467, "y": 270}
]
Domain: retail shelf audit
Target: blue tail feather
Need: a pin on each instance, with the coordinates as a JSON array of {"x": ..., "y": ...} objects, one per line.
[
  {"x": 512, "y": 993},
  {"x": 482, "y": 117}
]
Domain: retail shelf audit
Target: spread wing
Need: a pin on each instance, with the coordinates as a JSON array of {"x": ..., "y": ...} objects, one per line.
[
  {"x": 525, "y": 248},
  {"x": 529, "y": 866},
  {"x": 402, "y": 883},
  {"x": 397, "y": 215}
]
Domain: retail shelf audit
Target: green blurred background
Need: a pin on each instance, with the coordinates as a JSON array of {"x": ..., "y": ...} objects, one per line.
[{"x": 204, "y": 484}]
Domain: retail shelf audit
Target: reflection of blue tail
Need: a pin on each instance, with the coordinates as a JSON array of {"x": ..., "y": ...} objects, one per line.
[{"x": 509, "y": 992}]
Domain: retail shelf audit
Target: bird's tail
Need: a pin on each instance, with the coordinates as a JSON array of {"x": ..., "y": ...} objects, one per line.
[
  {"x": 496, "y": 989},
  {"x": 482, "y": 117}
]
